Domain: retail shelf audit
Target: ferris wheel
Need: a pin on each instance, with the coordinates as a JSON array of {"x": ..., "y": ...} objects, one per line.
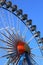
[{"x": 20, "y": 42}]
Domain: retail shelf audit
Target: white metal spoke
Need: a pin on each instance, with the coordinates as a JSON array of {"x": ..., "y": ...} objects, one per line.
[
  {"x": 17, "y": 25},
  {"x": 5, "y": 48},
  {"x": 6, "y": 42},
  {"x": 1, "y": 18},
  {"x": 1, "y": 29},
  {"x": 6, "y": 55},
  {"x": 36, "y": 48},
  {"x": 31, "y": 38},
  {"x": 17, "y": 60},
  {"x": 35, "y": 56},
  {"x": 24, "y": 32},
  {"x": 4, "y": 19},
  {"x": 6, "y": 37},
  {"x": 34, "y": 61}
]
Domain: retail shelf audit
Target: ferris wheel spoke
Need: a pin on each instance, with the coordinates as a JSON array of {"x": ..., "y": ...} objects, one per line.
[
  {"x": 1, "y": 29},
  {"x": 9, "y": 32},
  {"x": 7, "y": 55},
  {"x": 24, "y": 32},
  {"x": 31, "y": 38},
  {"x": 8, "y": 14},
  {"x": 39, "y": 57},
  {"x": 6, "y": 37},
  {"x": 37, "y": 48},
  {"x": 17, "y": 60},
  {"x": 7, "y": 63},
  {"x": 6, "y": 42},
  {"x": 11, "y": 20},
  {"x": 1, "y": 18},
  {"x": 33, "y": 55},
  {"x": 9, "y": 45},
  {"x": 34, "y": 62},
  {"x": 5, "y": 48},
  {"x": 1, "y": 22},
  {"x": 4, "y": 22},
  {"x": 13, "y": 34},
  {"x": 11, "y": 39},
  {"x": 11, "y": 51},
  {"x": 17, "y": 25},
  {"x": 14, "y": 59},
  {"x": 13, "y": 29}
]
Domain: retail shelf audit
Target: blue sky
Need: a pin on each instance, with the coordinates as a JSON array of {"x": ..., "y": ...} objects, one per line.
[{"x": 34, "y": 9}]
